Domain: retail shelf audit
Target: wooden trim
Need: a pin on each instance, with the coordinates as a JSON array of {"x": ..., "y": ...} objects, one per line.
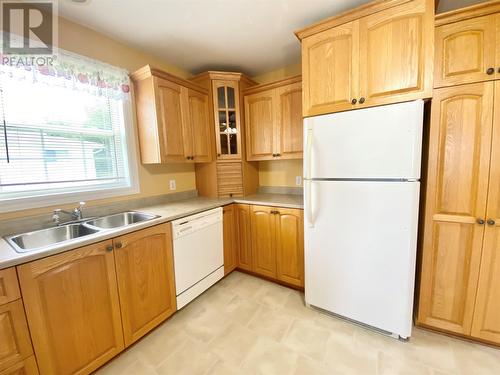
[
  {"x": 468, "y": 338},
  {"x": 148, "y": 71},
  {"x": 348, "y": 16},
  {"x": 225, "y": 76},
  {"x": 273, "y": 85},
  {"x": 477, "y": 10}
]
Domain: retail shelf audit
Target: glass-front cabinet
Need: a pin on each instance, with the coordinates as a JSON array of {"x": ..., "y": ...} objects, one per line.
[{"x": 227, "y": 119}]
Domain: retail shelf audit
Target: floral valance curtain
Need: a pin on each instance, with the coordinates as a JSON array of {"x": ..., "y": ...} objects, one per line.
[{"x": 69, "y": 70}]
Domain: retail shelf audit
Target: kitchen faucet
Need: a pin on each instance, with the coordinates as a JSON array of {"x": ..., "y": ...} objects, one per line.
[{"x": 76, "y": 214}]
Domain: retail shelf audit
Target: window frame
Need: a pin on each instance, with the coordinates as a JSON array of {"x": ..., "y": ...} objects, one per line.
[{"x": 88, "y": 192}]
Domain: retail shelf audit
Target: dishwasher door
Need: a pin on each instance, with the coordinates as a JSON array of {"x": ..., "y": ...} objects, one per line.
[{"x": 198, "y": 254}]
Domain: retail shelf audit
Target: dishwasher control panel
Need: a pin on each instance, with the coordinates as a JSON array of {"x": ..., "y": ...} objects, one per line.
[{"x": 190, "y": 224}]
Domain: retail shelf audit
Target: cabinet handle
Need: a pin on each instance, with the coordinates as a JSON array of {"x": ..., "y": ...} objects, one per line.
[
  {"x": 498, "y": 70},
  {"x": 361, "y": 100},
  {"x": 218, "y": 155},
  {"x": 274, "y": 155},
  {"x": 491, "y": 222},
  {"x": 275, "y": 212},
  {"x": 109, "y": 248},
  {"x": 278, "y": 155},
  {"x": 480, "y": 221},
  {"x": 490, "y": 71},
  {"x": 118, "y": 245},
  {"x": 354, "y": 101}
]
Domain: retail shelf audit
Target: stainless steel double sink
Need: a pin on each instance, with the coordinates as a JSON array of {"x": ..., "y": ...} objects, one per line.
[{"x": 44, "y": 239}]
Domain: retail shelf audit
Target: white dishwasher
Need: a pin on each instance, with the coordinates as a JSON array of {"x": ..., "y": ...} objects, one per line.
[{"x": 198, "y": 254}]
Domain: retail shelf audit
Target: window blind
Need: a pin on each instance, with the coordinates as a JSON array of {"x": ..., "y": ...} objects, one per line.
[{"x": 58, "y": 139}]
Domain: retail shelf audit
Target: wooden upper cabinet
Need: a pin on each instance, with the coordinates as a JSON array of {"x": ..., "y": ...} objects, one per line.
[
  {"x": 396, "y": 54},
  {"x": 457, "y": 188},
  {"x": 263, "y": 242},
  {"x": 173, "y": 118},
  {"x": 9, "y": 286},
  {"x": 290, "y": 246},
  {"x": 330, "y": 64},
  {"x": 73, "y": 295},
  {"x": 273, "y": 119},
  {"x": 230, "y": 244},
  {"x": 145, "y": 273},
  {"x": 376, "y": 54},
  {"x": 171, "y": 125},
  {"x": 15, "y": 342},
  {"x": 199, "y": 127},
  {"x": 243, "y": 236},
  {"x": 486, "y": 324},
  {"x": 260, "y": 118},
  {"x": 466, "y": 52},
  {"x": 289, "y": 128}
]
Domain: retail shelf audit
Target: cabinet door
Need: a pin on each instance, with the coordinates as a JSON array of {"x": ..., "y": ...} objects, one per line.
[
  {"x": 171, "y": 124},
  {"x": 486, "y": 325},
  {"x": 201, "y": 149},
  {"x": 465, "y": 51},
  {"x": 73, "y": 312},
  {"x": 396, "y": 53},
  {"x": 290, "y": 246},
  {"x": 227, "y": 119},
  {"x": 263, "y": 223},
  {"x": 243, "y": 239},
  {"x": 230, "y": 254},
  {"x": 145, "y": 273},
  {"x": 260, "y": 118},
  {"x": 459, "y": 153},
  {"x": 25, "y": 367},
  {"x": 330, "y": 70},
  {"x": 9, "y": 286},
  {"x": 289, "y": 129},
  {"x": 15, "y": 343}
]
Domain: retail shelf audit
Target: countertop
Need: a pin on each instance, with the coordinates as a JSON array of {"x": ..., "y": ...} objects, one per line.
[{"x": 166, "y": 212}]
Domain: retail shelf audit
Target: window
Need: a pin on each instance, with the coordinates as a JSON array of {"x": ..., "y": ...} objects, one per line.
[{"x": 65, "y": 135}]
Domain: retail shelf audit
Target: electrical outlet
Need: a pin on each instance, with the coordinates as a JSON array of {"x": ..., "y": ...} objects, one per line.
[
  {"x": 298, "y": 180},
  {"x": 172, "y": 184}
]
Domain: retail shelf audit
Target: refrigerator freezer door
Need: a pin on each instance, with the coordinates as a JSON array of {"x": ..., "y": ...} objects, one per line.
[
  {"x": 360, "y": 251},
  {"x": 373, "y": 143}
]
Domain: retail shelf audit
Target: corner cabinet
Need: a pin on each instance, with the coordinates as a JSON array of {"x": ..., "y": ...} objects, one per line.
[
  {"x": 108, "y": 295},
  {"x": 273, "y": 120},
  {"x": 173, "y": 118},
  {"x": 379, "y": 53},
  {"x": 460, "y": 282}
]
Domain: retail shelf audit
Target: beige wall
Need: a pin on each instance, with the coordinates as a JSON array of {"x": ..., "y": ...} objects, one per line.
[
  {"x": 154, "y": 180},
  {"x": 279, "y": 172}
]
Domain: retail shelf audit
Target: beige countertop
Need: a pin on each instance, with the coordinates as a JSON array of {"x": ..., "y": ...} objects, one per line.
[{"x": 166, "y": 212}]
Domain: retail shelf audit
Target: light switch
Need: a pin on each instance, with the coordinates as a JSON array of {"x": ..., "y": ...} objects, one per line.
[
  {"x": 172, "y": 184},
  {"x": 298, "y": 180}
]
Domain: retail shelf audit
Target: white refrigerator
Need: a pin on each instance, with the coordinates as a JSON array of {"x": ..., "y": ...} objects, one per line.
[{"x": 361, "y": 200}]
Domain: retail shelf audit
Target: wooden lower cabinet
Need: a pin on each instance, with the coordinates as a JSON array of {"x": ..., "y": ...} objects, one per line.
[
  {"x": 243, "y": 236},
  {"x": 9, "y": 286},
  {"x": 25, "y": 367},
  {"x": 73, "y": 310},
  {"x": 263, "y": 240},
  {"x": 145, "y": 275},
  {"x": 230, "y": 246},
  {"x": 15, "y": 342},
  {"x": 290, "y": 246}
]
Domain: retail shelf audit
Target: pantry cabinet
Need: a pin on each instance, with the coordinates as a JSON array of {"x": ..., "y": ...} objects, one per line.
[
  {"x": 467, "y": 51},
  {"x": 145, "y": 276},
  {"x": 73, "y": 295},
  {"x": 376, "y": 54},
  {"x": 273, "y": 118},
  {"x": 460, "y": 287},
  {"x": 173, "y": 118},
  {"x": 230, "y": 235}
]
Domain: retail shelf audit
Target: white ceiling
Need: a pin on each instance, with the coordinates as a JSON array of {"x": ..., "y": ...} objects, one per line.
[{"x": 253, "y": 36}]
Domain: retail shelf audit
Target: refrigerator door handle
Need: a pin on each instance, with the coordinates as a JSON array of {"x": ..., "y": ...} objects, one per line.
[{"x": 309, "y": 214}]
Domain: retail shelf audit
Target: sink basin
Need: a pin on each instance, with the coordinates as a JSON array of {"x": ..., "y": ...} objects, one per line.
[
  {"x": 120, "y": 220},
  {"x": 44, "y": 238}
]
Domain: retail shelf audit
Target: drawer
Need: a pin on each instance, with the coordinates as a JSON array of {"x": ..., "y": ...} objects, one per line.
[
  {"x": 26, "y": 367},
  {"x": 9, "y": 286},
  {"x": 15, "y": 345}
]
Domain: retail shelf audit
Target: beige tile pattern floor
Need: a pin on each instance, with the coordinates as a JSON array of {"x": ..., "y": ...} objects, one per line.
[{"x": 245, "y": 325}]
